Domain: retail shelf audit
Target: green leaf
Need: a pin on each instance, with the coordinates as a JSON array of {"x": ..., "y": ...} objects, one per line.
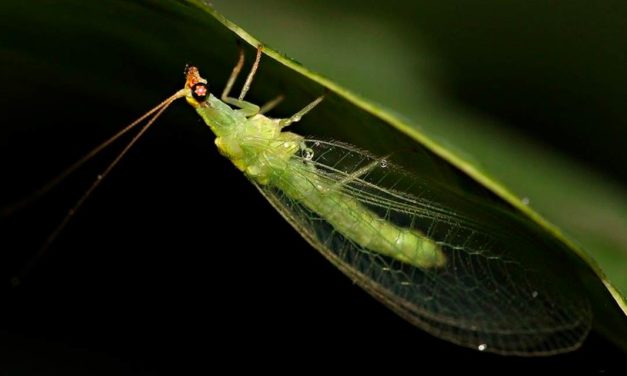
[
  {"x": 422, "y": 46},
  {"x": 75, "y": 70},
  {"x": 592, "y": 214},
  {"x": 589, "y": 272}
]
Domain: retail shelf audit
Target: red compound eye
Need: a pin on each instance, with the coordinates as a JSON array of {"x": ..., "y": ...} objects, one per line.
[{"x": 199, "y": 91}]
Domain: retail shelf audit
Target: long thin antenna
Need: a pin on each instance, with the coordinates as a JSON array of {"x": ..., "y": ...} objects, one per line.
[
  {"x": 7, "y": 211},
  {"x": 16, "y": 280}
]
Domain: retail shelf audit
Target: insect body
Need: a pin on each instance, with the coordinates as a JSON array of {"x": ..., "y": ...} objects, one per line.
[
  {"x": 440, "y": 270},
  {"x": 450, "y": 273},
  {"x": 259, "y": 147}
]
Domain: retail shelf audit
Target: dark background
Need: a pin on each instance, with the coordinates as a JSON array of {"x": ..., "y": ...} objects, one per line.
[{"x": 176, "y": 264}]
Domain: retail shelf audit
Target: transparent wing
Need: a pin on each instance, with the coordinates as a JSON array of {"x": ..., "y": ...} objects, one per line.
[{"x": 494, "y": 293}]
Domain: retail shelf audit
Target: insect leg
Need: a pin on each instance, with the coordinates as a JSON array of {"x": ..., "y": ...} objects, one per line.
[
  {"x": 251, "y": 75},
  {"x": 297, "y": 116},
  {"x": 236, "y": 69},
  {"x": 357, "y": 173},
  {"x": 253, "y": 70},
  {"x": 247, "y": 108},
  {"x": 270, "y": 105}
]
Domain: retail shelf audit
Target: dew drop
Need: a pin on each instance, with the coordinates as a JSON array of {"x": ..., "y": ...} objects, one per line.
[
  {"x": 482, "y": 347},
  {"x": 99, "y": 177},
  {"x": 525, "y": 200},
  {"x": 308, "y": 154},
  {"x": 384, "y": 163},
  {"x": 317, "y": 143},
  {"x": 534, "y": 294}
]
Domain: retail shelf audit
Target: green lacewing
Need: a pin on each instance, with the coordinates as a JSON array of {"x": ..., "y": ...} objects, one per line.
[{"x": 441, "y": 270}]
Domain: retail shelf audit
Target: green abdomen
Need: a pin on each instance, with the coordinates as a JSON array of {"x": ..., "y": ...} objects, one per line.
[{"x": 355, "y": 221}]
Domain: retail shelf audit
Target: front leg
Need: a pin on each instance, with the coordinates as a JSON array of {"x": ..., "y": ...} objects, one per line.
[{"x": 246, "y": 108}]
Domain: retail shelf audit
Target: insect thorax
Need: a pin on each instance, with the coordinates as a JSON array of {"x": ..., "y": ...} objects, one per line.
[{"x": 259, "y": 148}]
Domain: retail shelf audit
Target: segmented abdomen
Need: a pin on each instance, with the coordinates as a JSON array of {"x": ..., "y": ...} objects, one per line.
[{"x": 355, "y": 221}]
